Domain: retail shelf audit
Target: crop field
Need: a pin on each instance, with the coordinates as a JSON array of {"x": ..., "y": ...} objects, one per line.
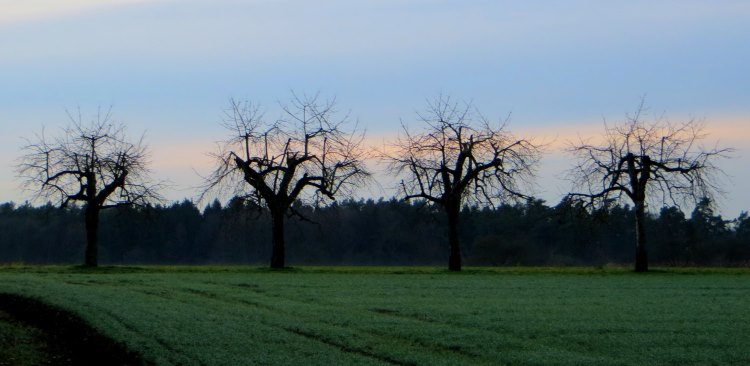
[{"x": 404, "y": 316}]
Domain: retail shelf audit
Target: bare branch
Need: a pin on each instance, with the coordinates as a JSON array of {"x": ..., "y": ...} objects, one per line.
[
  {"x": 89, "y": 162},
  {"x": 651, "y": 161},
  {"x": 461, "y": 158},
  {"x": 305, "y": 155}
]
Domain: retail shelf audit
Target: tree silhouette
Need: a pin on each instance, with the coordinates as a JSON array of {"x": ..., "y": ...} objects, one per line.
[
  {"x": 644, "y": 161},
  {"x": 92, "y": 163},
  {"x": 305, "y": 155},
  {"x": 460, "y": 158}
]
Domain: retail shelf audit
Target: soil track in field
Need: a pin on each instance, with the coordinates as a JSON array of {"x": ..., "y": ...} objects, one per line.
[{"x": 58, "y": 337}]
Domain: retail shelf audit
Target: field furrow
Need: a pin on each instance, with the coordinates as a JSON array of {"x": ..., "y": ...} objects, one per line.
[{"x": 320, "y": 316}]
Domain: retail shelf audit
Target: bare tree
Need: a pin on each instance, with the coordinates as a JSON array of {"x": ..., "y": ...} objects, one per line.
[
  {"x": 645, "y": 161},
  {"x": 91, "y": 163},
  {"x": 459, "y": 158},
  {"x": 305, "y": 155}
]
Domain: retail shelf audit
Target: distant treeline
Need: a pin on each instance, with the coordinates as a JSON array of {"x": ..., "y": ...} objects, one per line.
[{"x": 383, "y": 232}]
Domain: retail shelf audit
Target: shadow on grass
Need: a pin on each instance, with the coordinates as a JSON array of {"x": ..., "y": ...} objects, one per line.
[{"x": 71, "y": 339}]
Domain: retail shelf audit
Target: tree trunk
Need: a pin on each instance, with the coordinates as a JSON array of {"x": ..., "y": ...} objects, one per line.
[
  {"x": 92, "y": 229},
  {"x": 454, "y": 261},
  {"x": 641, "y": 256},
  {"x": 277, "y": 239}
]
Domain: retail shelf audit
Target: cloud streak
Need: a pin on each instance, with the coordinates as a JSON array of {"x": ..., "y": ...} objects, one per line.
[
  {"x": 170, "y": 66},
  {"x": 14, "y": 12}
]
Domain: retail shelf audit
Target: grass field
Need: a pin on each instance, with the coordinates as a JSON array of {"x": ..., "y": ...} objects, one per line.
[{"x": 424, "y": 316}]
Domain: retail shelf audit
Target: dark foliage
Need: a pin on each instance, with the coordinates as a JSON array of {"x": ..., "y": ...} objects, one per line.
[{"x": 372, "y": 232}]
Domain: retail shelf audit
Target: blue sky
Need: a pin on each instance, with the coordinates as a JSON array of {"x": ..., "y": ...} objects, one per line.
[{"x": 169, "y": 68}]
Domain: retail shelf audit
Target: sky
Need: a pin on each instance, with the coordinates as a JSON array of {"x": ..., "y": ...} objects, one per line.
[{"x": 559, "y": 69}]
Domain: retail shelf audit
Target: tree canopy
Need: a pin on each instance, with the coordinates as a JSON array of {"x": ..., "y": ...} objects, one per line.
[
  {"x": 460, "y": 157},
  {"x": 643, "y": 161},
  {"x": 305, "y": 154},
  {"x": 92, "y": 163}
]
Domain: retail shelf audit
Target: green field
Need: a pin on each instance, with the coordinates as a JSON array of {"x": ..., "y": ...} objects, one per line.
[{"x": 423, "y": 316}]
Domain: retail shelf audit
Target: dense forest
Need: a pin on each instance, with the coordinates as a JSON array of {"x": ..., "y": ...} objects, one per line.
[{"x": 374, "y": 232}]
